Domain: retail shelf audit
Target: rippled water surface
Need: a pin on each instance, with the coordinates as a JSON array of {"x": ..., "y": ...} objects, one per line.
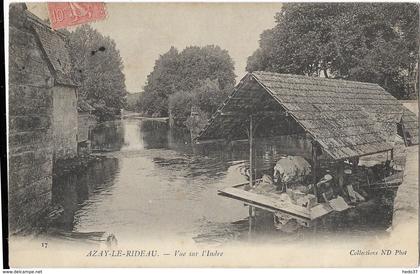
[{"x": 155, "y": 184}]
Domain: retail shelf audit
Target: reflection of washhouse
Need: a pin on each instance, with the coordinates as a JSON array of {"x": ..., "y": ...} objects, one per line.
[
  {"x": 179, "y": 139},
  {"x": 268, "y": 150},
  {"x": 154, "y": 134},
  {"x": 72, "y": 190},
  {"x": 132, "y": 136}
]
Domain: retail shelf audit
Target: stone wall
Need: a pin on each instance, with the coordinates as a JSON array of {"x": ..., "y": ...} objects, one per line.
[
  {"x": 64, "y": 122},
  {"x": 30, "y": 125},
  {"x": 86, "y": 122}
]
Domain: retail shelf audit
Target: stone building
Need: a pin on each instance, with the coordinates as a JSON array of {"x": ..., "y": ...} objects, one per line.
[
  {"x": 42, "y": 123},
  {"x": 85, "y": 122}
]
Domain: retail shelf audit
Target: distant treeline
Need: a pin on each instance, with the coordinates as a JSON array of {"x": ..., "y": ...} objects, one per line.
[
  {"x": 197, "y": 76},
  {"x": 368, "y": 42},
  {"x": 132, "y": 100}
]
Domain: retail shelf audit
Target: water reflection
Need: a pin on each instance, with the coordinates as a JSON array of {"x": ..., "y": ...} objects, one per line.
[
  {"x": 155, "y": 183},
  {"x": 108, "y": 136},
  {"x": 153, "y": 134},
  {"x": 74, "y": 190}
]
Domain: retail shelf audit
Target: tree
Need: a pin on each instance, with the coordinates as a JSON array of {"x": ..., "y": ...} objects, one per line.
[
  {"x": 206, "y": 98},
  {"x": 98, "y": 67},
  {"x": 161, "y": 83},
  {"x": 180, "y": 104},
  {"x": 372, "y": 42},
  {"x": 183, "y": 72}
]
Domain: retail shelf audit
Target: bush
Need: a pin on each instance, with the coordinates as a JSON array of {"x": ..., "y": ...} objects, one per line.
[
  {"x": 152, "y": 105},
  {"x": 103, "y": 112},
  {"x": 207, "y": 98},
  {"x": 197, "y": 123},
  {"x": 180, "y": 104}
]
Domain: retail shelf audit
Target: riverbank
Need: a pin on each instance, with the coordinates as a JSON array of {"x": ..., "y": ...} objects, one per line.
[
  {"x": 74, "y": 165},
  {"x": 405, "y": 217},
  {"x": 404, "y": 230},
  {"x": 72, "y": 168},
  {"x": 406, "y": 202},
  {"x": 135, "y": 115},
  {"x": 157, "y": 119}
]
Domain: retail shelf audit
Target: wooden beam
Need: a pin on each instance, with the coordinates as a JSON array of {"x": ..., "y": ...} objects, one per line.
[
  {"x": 250, "y": 220},
  {"x": 251, "y": 167},
  {"x": 315, "y": 168},
  {"x": 251, "y": 150},
  {"x": 271, "y": 113},
  {"x": 268, "y": 202},
  {"x": 246, "y": 98},
  {"x": 340, "y": 175},
  {"x": 245, "y": 114},
  {"x": 404, "y": 133}
]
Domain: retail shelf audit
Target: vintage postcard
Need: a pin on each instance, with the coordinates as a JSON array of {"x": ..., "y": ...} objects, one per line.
[{"x": 212, "y": 134}]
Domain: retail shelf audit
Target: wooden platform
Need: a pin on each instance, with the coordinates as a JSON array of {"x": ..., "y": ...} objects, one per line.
[
  {"x": 390, "y": 182},
  {"x": 275, "y": 204}
]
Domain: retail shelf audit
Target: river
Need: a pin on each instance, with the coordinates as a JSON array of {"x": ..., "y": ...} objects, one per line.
[{"x": 155, "y": 184}]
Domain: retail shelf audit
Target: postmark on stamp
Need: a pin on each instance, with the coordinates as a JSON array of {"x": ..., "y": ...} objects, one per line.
[{"x": 65, "y": 14}]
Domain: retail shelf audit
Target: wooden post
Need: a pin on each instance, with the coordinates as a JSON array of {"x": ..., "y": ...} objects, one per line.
[
  {"x": 251, "y": 169},
  {"x": 340, "y": 175},
  {"x": 251, "y": 151},
  {"x": 250, "y": 221},
  {"x": 392, "y": 154},
  {"x": 404, "y": 133},
  {"x": 314, "y": 168}
]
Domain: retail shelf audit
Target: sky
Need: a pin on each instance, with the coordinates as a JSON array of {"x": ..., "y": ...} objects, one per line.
[{"x": 143, "y": 31}]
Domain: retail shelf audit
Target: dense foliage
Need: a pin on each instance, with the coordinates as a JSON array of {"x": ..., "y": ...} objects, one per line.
[
  {"x": 98, "y": 68},
  {"x": 369, "y": 42},
  {"x": 183, "y": 72},
  {"x": 132, "y": 101},
  {"x": 206, "y": 98}
]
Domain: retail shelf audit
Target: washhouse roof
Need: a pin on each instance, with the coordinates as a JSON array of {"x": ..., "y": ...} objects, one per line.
[{"x": 346, "y": 118}]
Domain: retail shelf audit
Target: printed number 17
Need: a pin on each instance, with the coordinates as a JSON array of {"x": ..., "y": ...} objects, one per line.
[{"x": 44, "y": 245}]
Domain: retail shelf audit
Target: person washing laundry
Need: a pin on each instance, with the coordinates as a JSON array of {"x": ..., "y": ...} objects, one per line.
[{"x": 291, "y": 170}]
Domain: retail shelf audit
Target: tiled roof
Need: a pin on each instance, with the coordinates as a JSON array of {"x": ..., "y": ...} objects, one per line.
[
  {"x": 55, "y": 48},
  {"x": 346, "y": 118}
]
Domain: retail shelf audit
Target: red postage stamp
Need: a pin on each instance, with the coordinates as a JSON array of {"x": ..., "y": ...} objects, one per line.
[{"x": 65, "y": 14}]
